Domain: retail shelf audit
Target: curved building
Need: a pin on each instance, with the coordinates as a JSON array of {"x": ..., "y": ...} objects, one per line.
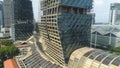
[
  {"x": 65, "y": 26},
  {"x": 93, "y": 58}
]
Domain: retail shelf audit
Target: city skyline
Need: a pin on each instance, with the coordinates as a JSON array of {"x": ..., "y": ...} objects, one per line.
[
  {"x": 60, "y": 34},
  {"x": 101, "y": 9}
]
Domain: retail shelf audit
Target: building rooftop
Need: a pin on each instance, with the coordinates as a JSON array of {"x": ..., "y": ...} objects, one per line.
[
  {"x": 10, "y": 63},
  {"x": 93, "y": 58},
  {"x": 107, "y": 29},
  {"x": 32, "y": 58}
]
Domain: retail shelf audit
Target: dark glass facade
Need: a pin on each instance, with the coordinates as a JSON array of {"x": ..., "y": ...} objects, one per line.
[
  {"x": 23, "y": 19},
  {"x": 65, "y": 26},
  {"x": 1, "y": 14}
]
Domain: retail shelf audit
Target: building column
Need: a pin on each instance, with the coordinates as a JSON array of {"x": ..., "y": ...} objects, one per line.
[{"x": 95, "y": 39}]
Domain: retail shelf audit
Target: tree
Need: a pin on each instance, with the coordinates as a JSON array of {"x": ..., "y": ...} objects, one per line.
[
  {"x": 110, "y": 47},
  {"x": 8, "y": 52},
  {"x": 6, "y": 42},
  {"x": 117, "y": 49}
]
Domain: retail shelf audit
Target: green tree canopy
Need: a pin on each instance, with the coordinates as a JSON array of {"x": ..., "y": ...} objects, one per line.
[
  {"x": 6, "y": 42},
  {"x": 117, "y": 49},
  {"x": 8, "y": 52}
]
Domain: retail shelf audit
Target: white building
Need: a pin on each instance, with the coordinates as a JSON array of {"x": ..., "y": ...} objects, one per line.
[
  {"x": 5, "y": 32},
  {"x": 103, "y": 35}
]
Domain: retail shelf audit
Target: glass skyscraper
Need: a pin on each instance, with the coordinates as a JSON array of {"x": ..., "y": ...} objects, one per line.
[
  {"x": 65, "y": 26},
  {"x": 18, "y": 16},
  {"x": 23, "y": 19}
]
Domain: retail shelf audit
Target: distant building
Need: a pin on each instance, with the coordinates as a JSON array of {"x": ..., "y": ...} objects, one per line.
[
  {"x": 8, "y": 17},
  {"x": 115, "y": 14},
  {"x": 104, "y": 35},
  {"x": 18, "y": 16},
  {"x": 65, "y": 26},
  {"x": 5, "y": 32},
  {"x": 1, "y": 14},
  {"x": 8, "y": 13},
  {"x": 93, "y": 58}
]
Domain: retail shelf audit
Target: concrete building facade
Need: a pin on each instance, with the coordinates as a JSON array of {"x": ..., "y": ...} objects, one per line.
[
  {"x": 65, "y": 26},
  {"x": 8, "y": 13},
  {"x": 115, "y": 14}
]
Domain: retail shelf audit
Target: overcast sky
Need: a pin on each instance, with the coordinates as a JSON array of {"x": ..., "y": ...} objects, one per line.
[{"x": 101, "y": 9}]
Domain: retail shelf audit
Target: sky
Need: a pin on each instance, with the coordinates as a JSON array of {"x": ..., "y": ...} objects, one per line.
[
  {"x": 36, "y": 9},
  {"x": 101, "y": 8}
]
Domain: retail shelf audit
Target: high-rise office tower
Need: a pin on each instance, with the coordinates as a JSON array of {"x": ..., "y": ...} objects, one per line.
[
  {"x": 18, "y": 15},
  {"x": 115, "y": 14},
  {"x": 23, "y": 19},
  {"x": 65, "y": 26},
  {"x": 8, "y": 13}
]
